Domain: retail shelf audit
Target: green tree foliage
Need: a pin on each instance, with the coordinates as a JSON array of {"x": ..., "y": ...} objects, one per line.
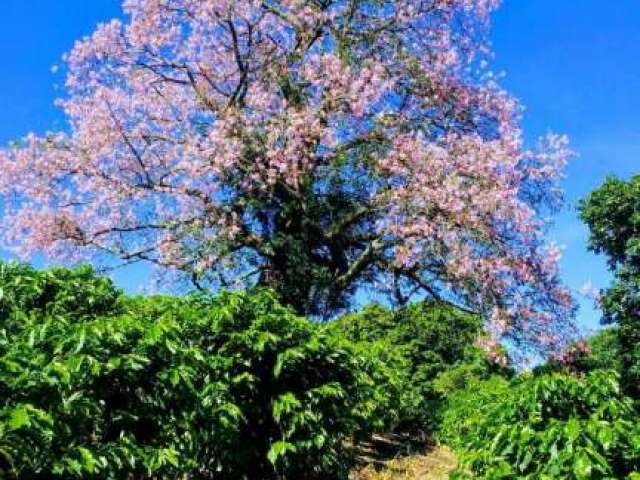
[
  {"x": 545, "y": 427},
  {"x": 603, "y": 352},
  {"x": 599, "y": 352},
  {"x": 97, "y": 385},
  {"x": 612, "y": 213},
  {"x": 428, "y": 348}
]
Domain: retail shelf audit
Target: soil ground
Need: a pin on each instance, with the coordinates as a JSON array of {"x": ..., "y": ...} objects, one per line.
[{"x": 432, "y": 463}]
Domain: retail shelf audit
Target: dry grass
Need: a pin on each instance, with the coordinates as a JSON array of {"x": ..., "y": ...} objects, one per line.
[{"x": 437, "y": 464}]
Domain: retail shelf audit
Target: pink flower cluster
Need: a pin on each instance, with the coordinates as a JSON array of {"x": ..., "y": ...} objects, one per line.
[{"x": 191, "y": 108}]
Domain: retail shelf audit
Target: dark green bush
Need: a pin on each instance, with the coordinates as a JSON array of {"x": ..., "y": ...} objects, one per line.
[
  {"x": 603, "y": 352},
  {"x": 461, "y": 376},
  {"x": 74, "y": 293},
  {"x": 436, "y": 334},
  {"x": 385, "y": 394},
  {"x": 466, "y": 410},
  {"x": 97, "y": 385},
  {"x": 418, "y": 344},
  {"x": 547, "y": 427}
]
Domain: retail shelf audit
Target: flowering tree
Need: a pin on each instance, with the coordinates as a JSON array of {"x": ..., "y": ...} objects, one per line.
[{"x": 317, "y": 146}]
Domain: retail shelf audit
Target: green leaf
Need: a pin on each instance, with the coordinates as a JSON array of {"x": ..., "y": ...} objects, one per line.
[
  {"x": 278, "y": 450},
  {"x": 89, "y": 462},
  {"x": 526, "y": 461},
  {"x": 573, "y": 429},
  {"x": 18, "y": 418},
  {"x": 582, "y": 467}
]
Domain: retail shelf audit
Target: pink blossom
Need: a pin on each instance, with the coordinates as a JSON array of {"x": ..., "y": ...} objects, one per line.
[{"x": 188, "y": 109}]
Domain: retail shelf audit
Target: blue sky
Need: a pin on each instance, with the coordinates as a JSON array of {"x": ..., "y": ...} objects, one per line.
[{"x": 572, "y": 63}]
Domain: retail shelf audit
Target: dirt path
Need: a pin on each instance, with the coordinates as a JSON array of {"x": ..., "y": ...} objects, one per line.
[{"x": 436, "y": 464}]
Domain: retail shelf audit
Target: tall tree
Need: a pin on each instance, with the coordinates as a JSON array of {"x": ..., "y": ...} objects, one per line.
[
  {"x": 612, "y": 213},
  {"x": 317, "y": 146}
]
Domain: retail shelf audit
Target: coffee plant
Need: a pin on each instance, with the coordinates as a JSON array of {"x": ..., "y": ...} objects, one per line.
[
  {"x": 548, "y": 427},
  {"x": 96, "y": 385},
  {"x": 419, "y": 344}
]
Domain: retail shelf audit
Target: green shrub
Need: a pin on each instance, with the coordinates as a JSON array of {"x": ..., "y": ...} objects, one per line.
[
  {"x": 417, "y": 343},
  {"x": 464, "y": 411},
  {"x": 436, "y": 334},
  {"x": 547, "y": 427},
  {"x": 603, "y": 352},
  {"x": 75, "y": 294},
  {"x": 459, "y": 377},
  {"x": 385, "y": 395},
  {"x": 97, "y": 385}
]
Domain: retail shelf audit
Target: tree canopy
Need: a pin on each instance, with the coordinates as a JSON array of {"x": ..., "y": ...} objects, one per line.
[
  {"x": 315, "y": 146},
  {"x": 612, "y": 213}
]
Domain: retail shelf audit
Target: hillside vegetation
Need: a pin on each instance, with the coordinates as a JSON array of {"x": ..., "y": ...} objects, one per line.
[{"x": 96, "y": 384}]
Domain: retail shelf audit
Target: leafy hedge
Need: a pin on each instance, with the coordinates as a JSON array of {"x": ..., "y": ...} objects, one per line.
[
  {"x": 603, "y": 352},
  {"x": 428, "y": 351},
  {"x": 97, "y": 385},
  {"x": 548, "y": 427}
]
